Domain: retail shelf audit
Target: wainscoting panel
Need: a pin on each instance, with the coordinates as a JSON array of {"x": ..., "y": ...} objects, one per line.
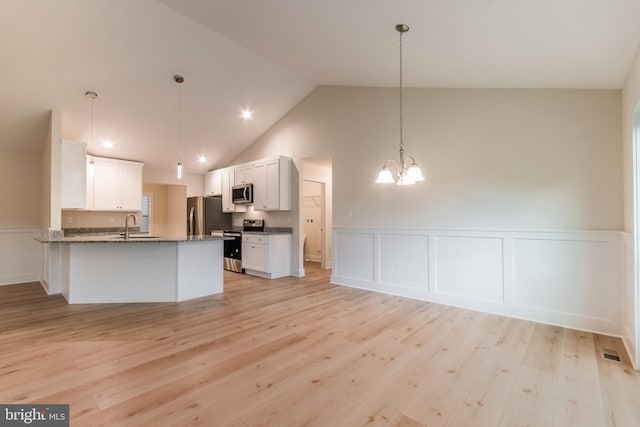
[
  {"x": 404, "y": 260},
  {"x": 630, "y": 317},
  {"x": 572, "y": 279},
  {"x": 358, "y": 249},
  {"x": 575, "y": 273},
  {"x": 470, "y": 267},
  {"x": 20, "y": 256}
]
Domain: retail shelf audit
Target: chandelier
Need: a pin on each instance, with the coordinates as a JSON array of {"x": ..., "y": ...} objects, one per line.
[{"x": 408, "y": 170}]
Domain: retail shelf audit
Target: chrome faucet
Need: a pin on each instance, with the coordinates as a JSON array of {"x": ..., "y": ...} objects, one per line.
[{"x": 126, "y": 225}]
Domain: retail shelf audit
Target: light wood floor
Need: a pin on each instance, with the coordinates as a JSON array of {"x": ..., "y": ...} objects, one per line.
[{"x": 302, "y": 352}]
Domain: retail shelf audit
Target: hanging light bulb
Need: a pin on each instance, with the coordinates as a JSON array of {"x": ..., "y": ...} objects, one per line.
[
  {"x": 179, "y": 79},
  {"x": 408, "y": 170},
  {"x": 92, "y": 166},
  {"x": 415, "y": 173}
]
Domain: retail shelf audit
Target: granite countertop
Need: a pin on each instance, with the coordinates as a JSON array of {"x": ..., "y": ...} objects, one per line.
[
  {"x": 273, "y": 230},
  {"x": 133, "y": 238}
]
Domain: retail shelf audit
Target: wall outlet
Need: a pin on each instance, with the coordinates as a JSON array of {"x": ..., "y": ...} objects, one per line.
[
  {"x": 110, "y": 220},
  {"x": 397, "y": 266},
  {"x": 69, "y": 219}
]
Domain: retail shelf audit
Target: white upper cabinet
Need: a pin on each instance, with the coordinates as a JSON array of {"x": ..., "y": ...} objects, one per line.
[
  {"x": 272, "y": 185},
  {"x": 243, "y": 174},
  {"x": 271, "y": 181},
  {"x": 74, "y": 175},
  {"x": 213, "y": 183},
  {"x": 89, "y": 187},
  {"x": 117, "y": 185},
  {"x": 228, "y": 181},
  {"x": 131, "y": 187}
]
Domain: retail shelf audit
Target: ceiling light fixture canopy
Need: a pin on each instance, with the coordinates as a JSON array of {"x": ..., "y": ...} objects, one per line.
[
  {"x": 92, "y": 166},
  {"x": 179, "y": 79},
  {"x": 408, "y": 170}
]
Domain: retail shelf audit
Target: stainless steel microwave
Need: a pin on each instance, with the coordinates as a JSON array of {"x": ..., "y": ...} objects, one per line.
[{"x": 242, "y": 194}]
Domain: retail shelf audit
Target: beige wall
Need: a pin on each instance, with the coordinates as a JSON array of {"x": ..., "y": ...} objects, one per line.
[
  {"x": 194, "y": 183},
  {"x": 493, "y": 158},
  {"x": 168, "y": 209},
  {"x": 20, "y": 190},
  {"x": 159, "y": 207},
  {"x": 177, "y": 205}
]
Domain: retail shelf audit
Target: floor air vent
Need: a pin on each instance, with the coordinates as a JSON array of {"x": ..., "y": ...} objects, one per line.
[{"x": 610, "y": 355}]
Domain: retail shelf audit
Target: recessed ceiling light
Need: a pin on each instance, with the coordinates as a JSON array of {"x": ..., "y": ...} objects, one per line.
[
  {"x": 202, "y": 159},
  {"x": 107, "y": 144},
  {"x": 247, "y": 114}
]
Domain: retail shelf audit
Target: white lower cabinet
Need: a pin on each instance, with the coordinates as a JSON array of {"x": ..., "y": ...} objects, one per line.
[{"x": 266, "y": 255}]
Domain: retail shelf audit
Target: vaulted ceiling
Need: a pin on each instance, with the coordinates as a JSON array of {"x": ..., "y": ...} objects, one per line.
[{"x": 266, "y": 56}]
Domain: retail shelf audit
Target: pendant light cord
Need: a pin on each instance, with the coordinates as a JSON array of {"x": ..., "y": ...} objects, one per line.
[
  {"x": 92, "y": 96},
  {"x": 91, "y": 122},
  {"x": 401, "y": 105},
  {"x": 179, "y": 123}
]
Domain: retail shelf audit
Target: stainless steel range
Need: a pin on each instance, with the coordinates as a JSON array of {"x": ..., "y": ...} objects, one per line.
[
  {"x": 233, "y": 251},
  {"x": 253, "y": 225},
  {"x": 233, "y": 247}
]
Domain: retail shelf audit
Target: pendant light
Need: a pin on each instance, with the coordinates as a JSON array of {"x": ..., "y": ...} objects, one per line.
[
  {"x": 179, "y": 79},
  {"x": 408, "y": 170},
  {"x": 92, "y": 166}
]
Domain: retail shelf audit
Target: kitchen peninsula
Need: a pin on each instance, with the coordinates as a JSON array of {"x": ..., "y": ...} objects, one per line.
[{"x": 110, "y": 269}]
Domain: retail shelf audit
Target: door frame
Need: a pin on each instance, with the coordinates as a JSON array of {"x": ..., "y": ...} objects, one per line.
[
  {"x": 327, "y": 234},
  {"x": 636, "y": 235}
]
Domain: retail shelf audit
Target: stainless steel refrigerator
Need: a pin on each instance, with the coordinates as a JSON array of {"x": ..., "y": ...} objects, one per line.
[{"x": 204, "y": 214}]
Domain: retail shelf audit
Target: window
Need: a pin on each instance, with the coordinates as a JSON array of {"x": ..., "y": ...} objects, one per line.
[{"x": 146, "y": 202}]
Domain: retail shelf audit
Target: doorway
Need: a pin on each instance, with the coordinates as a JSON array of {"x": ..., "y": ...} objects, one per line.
[
  {"x": 312, "y": 213},
  {"x": 316, "y": 218}
]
